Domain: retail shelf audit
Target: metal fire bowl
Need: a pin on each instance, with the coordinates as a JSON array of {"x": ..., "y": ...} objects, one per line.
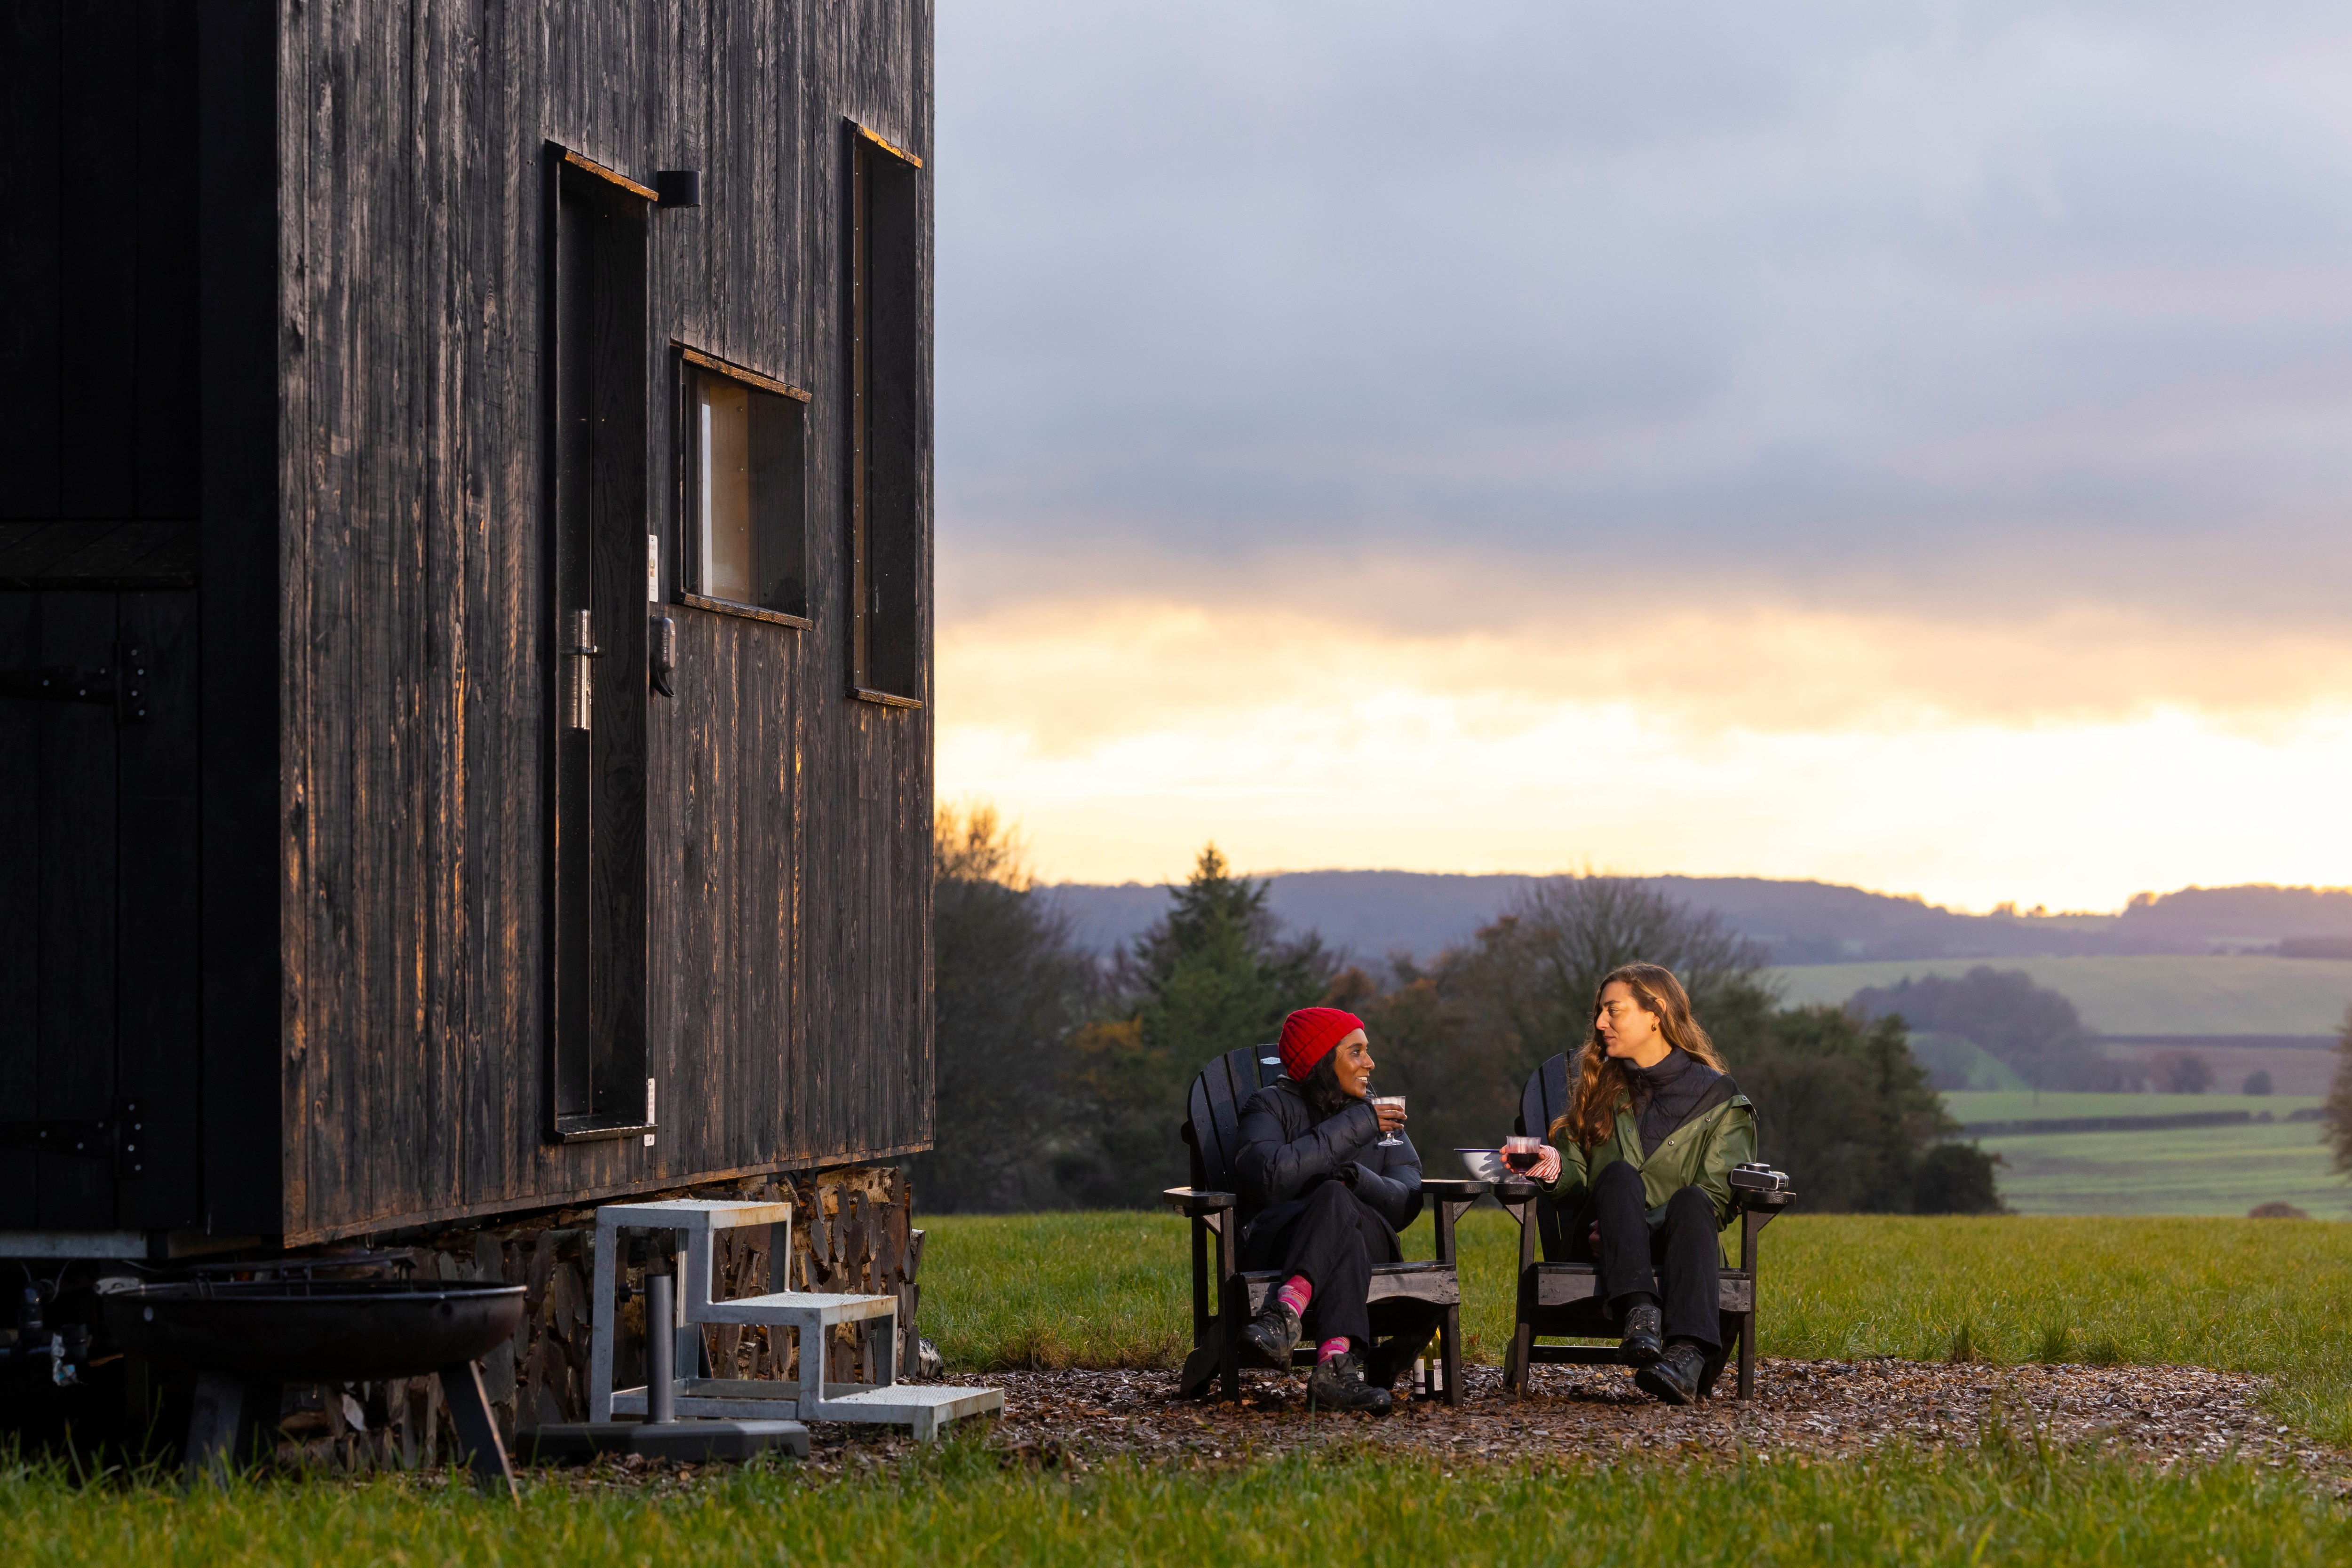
[{"x": 323, "y": 1330}]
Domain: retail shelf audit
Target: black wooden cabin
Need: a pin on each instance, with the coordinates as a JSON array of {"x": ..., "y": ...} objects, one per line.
[{"x": 380, "y": 379}]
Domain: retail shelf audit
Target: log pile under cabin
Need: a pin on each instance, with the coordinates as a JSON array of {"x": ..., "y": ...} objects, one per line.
[{"x": 852, "y": 1232}]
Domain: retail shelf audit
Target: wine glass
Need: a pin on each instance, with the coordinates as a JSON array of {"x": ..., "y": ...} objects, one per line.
[
  {"x": 1522, "y": 1154},
  {"x": 1390, "y": 1140}
]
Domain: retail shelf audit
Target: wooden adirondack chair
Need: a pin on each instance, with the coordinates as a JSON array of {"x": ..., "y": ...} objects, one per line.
[
  {"x": 1401, "y": 1291},
  {"x": 1558, "y": 1300}
]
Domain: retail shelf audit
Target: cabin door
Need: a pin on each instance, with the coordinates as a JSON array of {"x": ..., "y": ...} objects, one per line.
[
  {"x": 598, "y": 632},
  {"x": 98, "y": 1009}
]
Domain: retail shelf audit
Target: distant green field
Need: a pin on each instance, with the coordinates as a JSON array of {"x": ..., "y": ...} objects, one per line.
[
  {"x": 2028, "y": 1106},
  {"x": 2239, "y": 995},
  {"x": 2184, "y": 1170}
]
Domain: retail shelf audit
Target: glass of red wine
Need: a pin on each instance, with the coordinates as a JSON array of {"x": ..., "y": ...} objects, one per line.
[{"x": 1522, "y": 1154}]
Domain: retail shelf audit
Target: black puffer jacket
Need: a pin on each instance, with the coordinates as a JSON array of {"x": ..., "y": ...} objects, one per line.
[{"x": 1287, "y": 1153}]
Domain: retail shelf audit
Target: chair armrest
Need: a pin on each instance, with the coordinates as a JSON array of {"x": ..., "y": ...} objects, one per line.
[
  {"x": 1512, "y": 1191},
  {"x": 1194, "y": 1201},
  {"x": 1454, "y": 1190},
  {"x": 1764, "y": 1202}
]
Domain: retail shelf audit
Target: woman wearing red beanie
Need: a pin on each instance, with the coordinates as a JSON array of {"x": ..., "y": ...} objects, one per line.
[{"x": 1322, "y": 1199}]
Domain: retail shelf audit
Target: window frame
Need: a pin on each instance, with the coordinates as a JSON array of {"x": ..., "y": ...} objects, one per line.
[
  {"x": 685, "y": 563},
  {"x": 860, "y": 548},
  {"x": 598, "y": 1044}
]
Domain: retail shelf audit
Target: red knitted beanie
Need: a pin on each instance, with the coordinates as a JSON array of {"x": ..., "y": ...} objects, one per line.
[{"x": 1308, "y": 1035}]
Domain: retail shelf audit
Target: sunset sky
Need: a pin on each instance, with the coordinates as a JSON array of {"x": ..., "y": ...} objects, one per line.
[{"x": 1909, "y": 446}]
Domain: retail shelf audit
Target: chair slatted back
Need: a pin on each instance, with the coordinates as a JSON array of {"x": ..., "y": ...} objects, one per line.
[
  {"x": 1545, "y": 1097},
  {"x": 1540, "y": 1104},
  {"x": 1213, "y": 1111}
]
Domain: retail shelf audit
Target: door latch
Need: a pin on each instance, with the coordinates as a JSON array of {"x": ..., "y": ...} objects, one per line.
[
  {"x": 121, "y": 1138},
  {"x": 121, "y": 685}
]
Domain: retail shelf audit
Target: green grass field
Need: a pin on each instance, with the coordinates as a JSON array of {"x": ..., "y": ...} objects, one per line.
[
  {"x": 2247, "y": 994},
  {"x": 1110, "y": 1289}
]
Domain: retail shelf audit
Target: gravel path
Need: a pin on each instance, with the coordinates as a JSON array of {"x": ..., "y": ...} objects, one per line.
[
  {"x": 1823, "y": 1408},
  {"x": 2165, "y": 1414}
]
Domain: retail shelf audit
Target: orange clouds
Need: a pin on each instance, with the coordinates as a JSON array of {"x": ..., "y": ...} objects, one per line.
[{"x": 2068, "y": 761}]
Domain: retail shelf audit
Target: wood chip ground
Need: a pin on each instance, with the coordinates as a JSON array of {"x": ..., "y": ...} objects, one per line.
[{"x": 1076, "y": 1420}]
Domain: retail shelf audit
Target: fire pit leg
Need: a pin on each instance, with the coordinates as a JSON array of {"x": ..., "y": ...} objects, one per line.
[
  {"x": 478, "y": 1430},
  {"x": 234, "y": 1418}
]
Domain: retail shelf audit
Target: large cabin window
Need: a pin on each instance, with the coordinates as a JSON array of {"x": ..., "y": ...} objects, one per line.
[
  {"x": 889, "y": 450},
  {"x": 746, "y": 484}
]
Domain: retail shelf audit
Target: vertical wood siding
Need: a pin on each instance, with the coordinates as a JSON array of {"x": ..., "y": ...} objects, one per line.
[
  {"x": 787, "y": 825},
  {"x": 98, "y": 419}
]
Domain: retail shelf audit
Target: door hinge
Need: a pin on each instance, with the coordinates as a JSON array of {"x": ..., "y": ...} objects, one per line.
[
  {"x": 121, "y": 685},
  {"x": 122, "y": 1138}
]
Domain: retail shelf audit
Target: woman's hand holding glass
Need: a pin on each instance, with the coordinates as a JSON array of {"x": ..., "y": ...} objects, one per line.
[{"x": 1530, "y": 1159}]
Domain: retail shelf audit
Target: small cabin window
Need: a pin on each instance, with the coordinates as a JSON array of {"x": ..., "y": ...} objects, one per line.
[
  {"x": 746, "y": 490},
  {"x": 889, "y": 429}
]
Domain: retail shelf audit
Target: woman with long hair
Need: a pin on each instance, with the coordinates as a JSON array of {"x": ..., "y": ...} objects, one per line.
[
  {"x": 1643, "y": 1160},
  {"x": 1327, "y": 1181}
]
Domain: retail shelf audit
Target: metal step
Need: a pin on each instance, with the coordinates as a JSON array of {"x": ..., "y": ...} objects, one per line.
[
  {"x": 792, "y": 1309},
  {"x": 925, "y": 1407}
]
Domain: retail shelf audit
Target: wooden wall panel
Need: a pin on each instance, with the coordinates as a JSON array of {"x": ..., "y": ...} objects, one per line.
[
  {"x": 20, "y": 905},
  {"x": 31, "y": 329},
  {"x": 787, "y": 825},
  {"x": 158, "y": 912},
  {"x": 252, "y": 372},
  {"x": 74, "y": 829},
  {"x": 164, "y": 430},
  {"x": 98, "y": 282},
  {"x": 99, "y": 832}
]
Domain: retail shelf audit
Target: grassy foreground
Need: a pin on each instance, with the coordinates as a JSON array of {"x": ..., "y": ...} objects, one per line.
[
  {"x": 2009, "y": 1504},
  {"x": 1110, "y": 1289},
  {"x": 1113, "y": 1289}
]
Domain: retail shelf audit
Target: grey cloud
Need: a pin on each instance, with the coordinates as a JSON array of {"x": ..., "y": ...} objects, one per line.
[{"x": 1831, "y": 285}]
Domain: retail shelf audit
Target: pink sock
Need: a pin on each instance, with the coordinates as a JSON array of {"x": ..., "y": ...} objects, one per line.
[
  {"x": 1296, "y": 1293},
  {"x": 1329, "y": 1348}
]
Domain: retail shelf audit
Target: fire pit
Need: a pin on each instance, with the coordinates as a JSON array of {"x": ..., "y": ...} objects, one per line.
[{"x": 244, "y": 1339}]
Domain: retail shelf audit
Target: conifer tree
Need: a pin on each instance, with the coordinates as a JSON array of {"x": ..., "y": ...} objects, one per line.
[{"x": 1212, "y": 974}]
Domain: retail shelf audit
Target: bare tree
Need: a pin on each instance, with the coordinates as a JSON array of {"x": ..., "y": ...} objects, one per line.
[{"x": 1567, "y": 933}]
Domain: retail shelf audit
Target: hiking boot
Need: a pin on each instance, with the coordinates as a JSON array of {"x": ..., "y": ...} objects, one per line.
[
  {"x": 1339, "y": 1384},
  {"x": 1675, "y": 1377},
  {"x": 1271, "y": 1336},
  {"x": 1646, "y": 1335}
]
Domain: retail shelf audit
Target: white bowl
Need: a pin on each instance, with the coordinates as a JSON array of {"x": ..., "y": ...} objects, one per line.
[{"x": 1484, "y": 1165}]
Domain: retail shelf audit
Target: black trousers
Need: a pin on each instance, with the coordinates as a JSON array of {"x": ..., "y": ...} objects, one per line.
[
  {"x": 1333, "y": 1243},
  {"x": 1678, "y": 1263}
]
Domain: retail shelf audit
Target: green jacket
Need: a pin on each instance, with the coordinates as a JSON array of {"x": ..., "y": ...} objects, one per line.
[{"x": 1700, "y": 1153}]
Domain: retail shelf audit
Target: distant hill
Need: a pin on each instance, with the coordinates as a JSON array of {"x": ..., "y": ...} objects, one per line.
[{"x": 1373, "y": 914}]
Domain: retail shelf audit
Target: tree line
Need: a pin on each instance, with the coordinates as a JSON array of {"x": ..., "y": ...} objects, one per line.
[{"x": 1061, "y": 1077}]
